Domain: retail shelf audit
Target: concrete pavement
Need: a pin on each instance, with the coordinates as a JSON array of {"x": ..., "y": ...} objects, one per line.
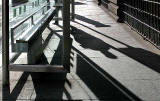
[{"x": 109, "y": 62}]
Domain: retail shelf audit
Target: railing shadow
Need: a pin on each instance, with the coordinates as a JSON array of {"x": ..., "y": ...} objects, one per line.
[
  {"x": 149, "y": 59},
  {"x": 103, "y": 85},
  {"x": 93, "y": 22},
  {"x": 79, "y": 3}
]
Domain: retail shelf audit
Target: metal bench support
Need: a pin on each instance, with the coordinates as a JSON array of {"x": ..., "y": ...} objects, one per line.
[
  {"x": 73, "y": 10},
  {"x": 66, "y": 34},
  {"x": 5, "y": 42}
]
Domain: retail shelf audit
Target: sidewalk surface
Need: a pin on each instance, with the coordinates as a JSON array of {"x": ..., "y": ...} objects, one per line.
[{"x": 109, "y": 62}]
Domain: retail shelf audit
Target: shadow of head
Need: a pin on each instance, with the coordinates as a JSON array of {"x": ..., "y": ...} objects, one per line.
[{"x": 88, "y": 41}]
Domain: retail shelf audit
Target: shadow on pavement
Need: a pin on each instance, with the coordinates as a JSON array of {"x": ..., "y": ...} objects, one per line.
[
  {"x": 79, "y": 3},
  {"x": 93, "y": 22},
  {"x": 47, "y": 87},
  {"x": 13, "y": 95},
  {"x": 149, "y": 59},
  {"x": 142, "y": 56},
  {"x": 90, "y": 42},
  {"x": 95, "y": 77},
  {"x": 101, "y": 83},
  {"x": 104, "y": 86}
]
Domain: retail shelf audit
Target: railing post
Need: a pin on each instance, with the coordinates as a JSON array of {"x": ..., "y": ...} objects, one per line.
[
  {"x": 42, "y": 11},
  {"x": 66, "y": 34},
  {"x": 5, "y": 42},
  {"x": 120, "y": 11},
  {"x": 12, "y": 39},
  {"x": 48, "y": 4},
  {"x": 57, "y": 10},
  {"x": 32, "y": 20},
  {"x": 73, "y": 10}
]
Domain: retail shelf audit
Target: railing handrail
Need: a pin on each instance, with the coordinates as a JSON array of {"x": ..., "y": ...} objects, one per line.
[{"x": 22, "y": 21}]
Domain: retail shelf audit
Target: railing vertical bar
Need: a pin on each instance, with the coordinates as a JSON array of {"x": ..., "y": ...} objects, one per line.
[
  {"x": 5, "y": 42},
  {"x": 144, "y": 16},
  {"x": 32, "y": 20},
  {"x": 73, "y": 10},
  {"x": 66, "y": 34},
  {"x": 56, "y": 15}
]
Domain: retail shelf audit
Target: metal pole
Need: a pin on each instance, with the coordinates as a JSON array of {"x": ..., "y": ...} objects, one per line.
[
  {"x": 5, "y": 42},
  {"x": 120, "y": 11},
  {"x": 48, "y": 4},
  {"x": 57, "y": 10},
  {"x": 66, "y": 34},
  {"x": 32, "y": 20},
  {"x": 73, "y": 10}
]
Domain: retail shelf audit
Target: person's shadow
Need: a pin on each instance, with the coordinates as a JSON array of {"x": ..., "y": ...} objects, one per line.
[
  {"x": 87, "y": 41},
  {"x": 145, "y": 57}
]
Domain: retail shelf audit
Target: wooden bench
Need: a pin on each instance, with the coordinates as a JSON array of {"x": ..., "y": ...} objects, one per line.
[{"x": 30, "y": 40}]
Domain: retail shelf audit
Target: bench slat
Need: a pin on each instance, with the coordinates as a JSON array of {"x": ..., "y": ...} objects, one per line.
[
  {"x": 37, "y": 68},
  {"x": 36, "y": 27}
]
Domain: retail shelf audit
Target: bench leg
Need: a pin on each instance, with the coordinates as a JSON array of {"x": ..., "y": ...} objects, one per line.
[
  {"x": 57, "y": 10},
  {"x": 35, "y": 51}
]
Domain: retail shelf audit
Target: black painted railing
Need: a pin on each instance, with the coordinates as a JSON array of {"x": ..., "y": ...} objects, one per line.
[
  {"x": 144, "y": 17},
  {"x": 104, "y": 2}
]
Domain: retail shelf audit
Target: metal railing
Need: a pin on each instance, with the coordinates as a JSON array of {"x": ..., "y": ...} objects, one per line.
[
  {"x": 105, "y": 3},
  {"x": 144, "y": 17},
  {"x": 26, "y": 8},
  {"x": 22, "y": 33}
]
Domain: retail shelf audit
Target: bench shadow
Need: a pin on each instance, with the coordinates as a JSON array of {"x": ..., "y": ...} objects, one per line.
[
  {"x": 46, "y": 86},
  {"x": 49, "y": 86}
]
